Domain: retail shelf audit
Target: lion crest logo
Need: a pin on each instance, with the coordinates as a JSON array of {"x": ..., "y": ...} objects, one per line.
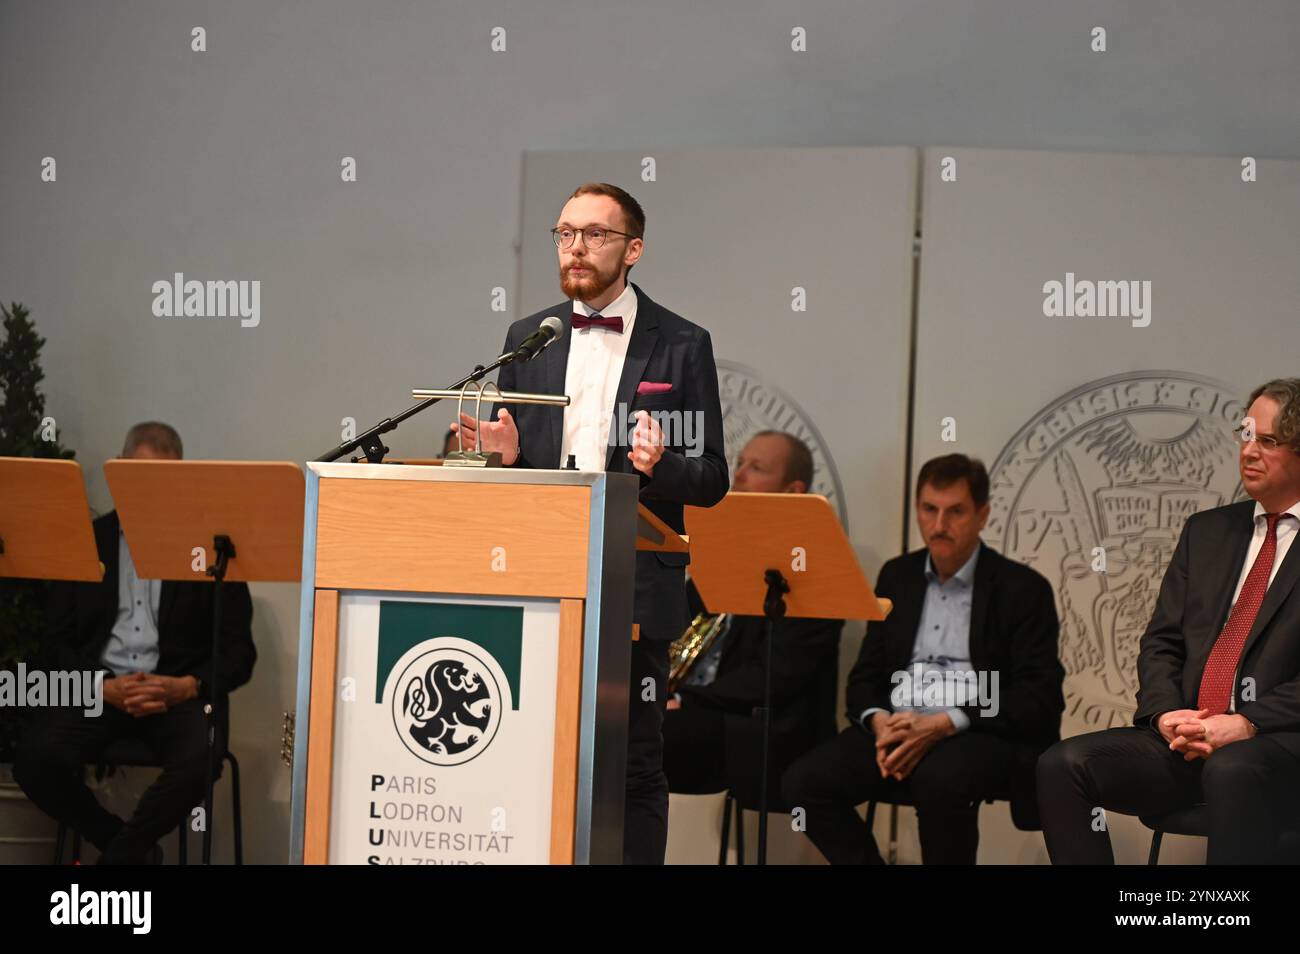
[{"x": 447, "y": 706}]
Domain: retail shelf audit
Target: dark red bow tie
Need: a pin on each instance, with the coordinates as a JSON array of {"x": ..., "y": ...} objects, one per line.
[{"x": 613, "y": 323}]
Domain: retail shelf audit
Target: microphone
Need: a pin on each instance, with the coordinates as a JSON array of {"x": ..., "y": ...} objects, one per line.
[{"x": 550, "y": 330}]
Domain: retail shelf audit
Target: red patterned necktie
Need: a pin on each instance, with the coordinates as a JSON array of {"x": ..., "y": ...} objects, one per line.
[
  {"x": 1216, "y": 679},
  {"x": 613, "y": 323}
]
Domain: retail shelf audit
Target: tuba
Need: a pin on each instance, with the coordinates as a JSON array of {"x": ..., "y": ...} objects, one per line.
[{"x": 691, "y": 646}]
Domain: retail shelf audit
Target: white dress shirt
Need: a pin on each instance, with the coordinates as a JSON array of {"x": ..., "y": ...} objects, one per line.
[
  {"x": 1286, "y": 531},
  {"x": 591, "y": 377}
]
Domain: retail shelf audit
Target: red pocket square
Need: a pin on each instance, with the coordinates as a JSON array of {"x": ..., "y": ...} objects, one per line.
[{"x": 653, "y": 387}]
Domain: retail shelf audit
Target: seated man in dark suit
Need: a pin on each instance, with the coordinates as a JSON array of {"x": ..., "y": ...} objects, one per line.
[
  {"x": 1218, "y": 703},
  {"x": 952, "y": 696},
  {"x": 153, "y": 642},
  {"x": 712, "y": 739}
]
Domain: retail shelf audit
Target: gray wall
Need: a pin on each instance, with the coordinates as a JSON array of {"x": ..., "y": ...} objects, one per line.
[{"x": 225, "y": 165}]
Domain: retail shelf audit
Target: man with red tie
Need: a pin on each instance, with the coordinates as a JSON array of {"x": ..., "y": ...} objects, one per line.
[
  {"x": 628, "y": 364},
  {"x": 1218, "y": 714}
]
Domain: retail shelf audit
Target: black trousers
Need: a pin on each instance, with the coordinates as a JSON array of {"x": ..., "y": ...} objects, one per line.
[
  {"x": 695, "y": 750},
  {"x": 1248, "y": 787},
  {"x": 645, "y": 809},
  {"x": 946, "y": 787},
  {"x": 53, "y": 753}
]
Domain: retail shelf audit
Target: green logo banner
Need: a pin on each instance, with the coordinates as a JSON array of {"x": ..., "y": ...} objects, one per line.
[{"x": 403, "y": 625}]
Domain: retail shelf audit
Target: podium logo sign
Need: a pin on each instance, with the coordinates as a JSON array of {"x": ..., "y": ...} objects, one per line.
[
  {"x": 447, "y": 706},
  {"x": 750, "y": 405},
  {"x": 1093, "y": 492}
]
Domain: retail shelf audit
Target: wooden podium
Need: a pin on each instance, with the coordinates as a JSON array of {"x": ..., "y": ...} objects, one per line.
[{"x": 463, "y": 665}]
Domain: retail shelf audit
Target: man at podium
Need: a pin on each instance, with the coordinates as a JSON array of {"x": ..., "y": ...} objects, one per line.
[
  {"x": 644, "y": 400},
  {"x": 153, "y": 642}
]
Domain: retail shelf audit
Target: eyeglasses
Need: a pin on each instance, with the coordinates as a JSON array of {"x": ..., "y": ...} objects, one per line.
[
  {"x": 1266, "y": 441},
  {"x": 592, "y": 237}
]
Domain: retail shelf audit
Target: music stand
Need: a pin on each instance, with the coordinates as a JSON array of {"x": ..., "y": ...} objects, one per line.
[
  {"x": 764, "y": 554},
  {"x": 45, "y": 531},
  {"x": 245, "y": 517}
]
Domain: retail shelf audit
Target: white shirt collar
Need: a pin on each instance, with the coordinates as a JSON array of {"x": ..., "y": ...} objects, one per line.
[{"x": 1293, "y": 510}]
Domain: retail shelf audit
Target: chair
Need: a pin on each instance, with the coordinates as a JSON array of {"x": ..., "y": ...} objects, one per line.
[
  {"x": 1020, "y": 819},
  {"x": 734, "y": 804},
  {"x": 1194, "y": 820},
  {"x": 135, "y": 753}
]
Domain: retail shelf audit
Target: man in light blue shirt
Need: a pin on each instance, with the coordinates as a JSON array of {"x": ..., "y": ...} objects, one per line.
[
  {"x": 153, "y": 642},
  {"x": 953, "y": 696}
]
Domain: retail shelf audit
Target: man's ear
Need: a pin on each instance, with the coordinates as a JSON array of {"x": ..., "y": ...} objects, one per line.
[
  {"x": 634, "y": 249},
  {"x": 796, "y": 487}
]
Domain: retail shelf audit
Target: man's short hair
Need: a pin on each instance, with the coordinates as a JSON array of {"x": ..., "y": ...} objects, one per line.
[
  {"x": 1286, "y": 392},
  {"x": 941, "y": 472},
  {"x": 798, "y": 462},
  {"x": 161, "y": 437},
  {"x": 632, "y": 210}
]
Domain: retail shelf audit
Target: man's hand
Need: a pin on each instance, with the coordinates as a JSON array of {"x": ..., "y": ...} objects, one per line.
[
  {"x": 647, "y": 444},
  {"x": 115, "y": 690},
  {"x": 1168, "y": 722},
  {"x": 146, "y": 694},
  {"x": 673, "y": 703},
  {"x": 1200, "y": 737},
  {"x": 903, "y": 739},
  {"x": 499, "y": 435}
]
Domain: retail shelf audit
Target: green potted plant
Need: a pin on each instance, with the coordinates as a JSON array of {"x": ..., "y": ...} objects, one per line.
[{"x": 23, "y": 433}]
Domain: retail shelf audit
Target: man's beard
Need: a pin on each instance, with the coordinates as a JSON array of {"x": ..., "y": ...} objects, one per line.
[{"x": 592, "y": 285}]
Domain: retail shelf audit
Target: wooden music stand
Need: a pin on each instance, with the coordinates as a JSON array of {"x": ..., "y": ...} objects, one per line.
[
  {"x": 45, "y": 531},
  {"x": 656, "y": 536},
  {"x": 194, "y": 521},
  {"x": 734, "y": 543},
  {"x": 766, "y": 554}
]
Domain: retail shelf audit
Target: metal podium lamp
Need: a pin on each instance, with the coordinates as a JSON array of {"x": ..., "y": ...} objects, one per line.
[{"x": 476, "y": 457}]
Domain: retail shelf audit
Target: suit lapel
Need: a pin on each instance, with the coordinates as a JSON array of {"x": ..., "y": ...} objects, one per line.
[
  {"x": 979, "y": 605},
  {"x": 109, "y": 545},
  {"x": 909, "y": 613},
  {"x": 1236, "y": 544},
  {"x": 557, "y": 363},
  {"x": 166, "y": 600},
  {"x": 1283, "y": 583},
  {"x": 645, "y": 336}
]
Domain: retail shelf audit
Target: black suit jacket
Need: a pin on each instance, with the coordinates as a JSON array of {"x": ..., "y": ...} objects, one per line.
[
  {"x": 1013, "y": 631},
  {"x": 805, "y": 666},
  {"x": 1191, "y": 610},
  {"x": 665, "y": 348},
  {"x": 81, "y": 618}
]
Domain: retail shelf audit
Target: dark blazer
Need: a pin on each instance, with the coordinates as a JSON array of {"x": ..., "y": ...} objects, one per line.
[
  {"x": 1191, "y": 610},
  {"x": 81, "y": 618},
  {"x": 1013, "y": 630},
  {"x": 665, "y": 348},
  {"x": 805, "y": 677}
]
